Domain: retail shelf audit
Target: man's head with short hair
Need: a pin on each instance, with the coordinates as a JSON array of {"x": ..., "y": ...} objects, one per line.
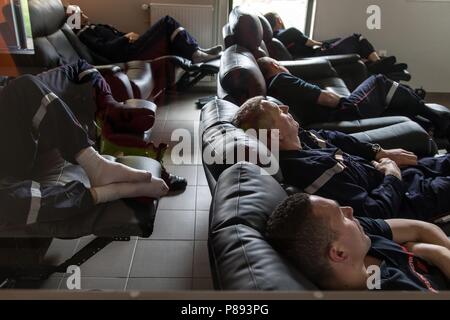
[
  {"x": 324, "y": 241},
  {"x": 275, "y": 20},
  {"x": 270, "y": 67},
  {"x": 259, "y": 113},
  {"x": 252, "y": 115},
  {"x": 75, "y": 9}
]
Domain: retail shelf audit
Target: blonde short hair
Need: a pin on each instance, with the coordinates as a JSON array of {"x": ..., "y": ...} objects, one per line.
[{"x": 251, "y": 115}]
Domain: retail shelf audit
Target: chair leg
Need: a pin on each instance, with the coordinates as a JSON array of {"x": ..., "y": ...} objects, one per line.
[{"x": 12, "y": 277}]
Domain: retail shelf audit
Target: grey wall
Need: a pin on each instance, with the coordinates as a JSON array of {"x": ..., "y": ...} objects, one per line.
[{"x": 417, "y": 32}]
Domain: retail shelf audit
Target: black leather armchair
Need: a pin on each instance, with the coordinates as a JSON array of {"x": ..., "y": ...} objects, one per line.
[{"x": 55, "y": 44}]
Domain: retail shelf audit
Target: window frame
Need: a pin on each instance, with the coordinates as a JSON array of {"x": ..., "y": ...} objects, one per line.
[{"x": 310, "y": 11}]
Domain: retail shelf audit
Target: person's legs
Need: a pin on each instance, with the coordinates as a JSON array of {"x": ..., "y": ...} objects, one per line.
[
  {"x": 295, "y": 41},
  {"x": 26, "y": 124},
  {"x": 355, "y": 44},
  {"x": 402, "y": 100},
  {"x": 67, "y": 80},
  {"x": 167, "y": 37},
  {"x": 368, "y": 99},
  {"x": 380, "y": 96},
  {"x": 27, "y": 202}
]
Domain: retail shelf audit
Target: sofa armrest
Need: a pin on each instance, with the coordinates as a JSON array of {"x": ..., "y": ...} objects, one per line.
[
  {"x": 407, "y": 135},
  {"x": 310, "y": 69},
  {"x": 119, "y": 82},
  {"x": 109, "y": 68},
  {"x": 340, "y": 59},
  {"x": 355, "y": 126},
  {"x": 134, "y": 116}
]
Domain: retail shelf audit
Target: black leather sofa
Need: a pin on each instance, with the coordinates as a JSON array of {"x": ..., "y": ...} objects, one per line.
[{"x": 243, "y": 199}]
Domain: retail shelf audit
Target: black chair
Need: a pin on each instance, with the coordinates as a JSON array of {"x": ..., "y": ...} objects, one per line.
[{"x": 56, "y": 44}]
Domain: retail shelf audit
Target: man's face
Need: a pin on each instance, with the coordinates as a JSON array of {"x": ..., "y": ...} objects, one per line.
[
  {"x": 351, "y": 237},
  {"x": 282, "y": 120},
  {"x": 278, "y": 68}
]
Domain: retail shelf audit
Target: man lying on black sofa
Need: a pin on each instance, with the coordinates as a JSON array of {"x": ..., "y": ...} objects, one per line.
[
  {"x": 165, "y": 37},
  {"x": 361, "y": 175},
  {"x": 34, "y": 120},
  {"x": 301, "y": 46},
  {"x": 377, "y": 96},
  {"x": 338, "y": 251}
]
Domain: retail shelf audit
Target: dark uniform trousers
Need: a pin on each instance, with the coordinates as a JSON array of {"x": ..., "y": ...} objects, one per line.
[
  {"x": 376, "y": 96},
  {"x": 34, "y": 120},
  {"x": 165, "y": 37},
  {"x": 295, "y": 42},
  {"x": 379, "y": 96}
]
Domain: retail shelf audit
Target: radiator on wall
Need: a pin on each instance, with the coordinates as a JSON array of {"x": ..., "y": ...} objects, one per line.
[{"x": 199, "y": 20}]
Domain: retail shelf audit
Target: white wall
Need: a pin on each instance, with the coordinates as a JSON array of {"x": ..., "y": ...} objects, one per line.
[
  {"x": 125, "y": 15},
  {"x": 417, "y": 32}
]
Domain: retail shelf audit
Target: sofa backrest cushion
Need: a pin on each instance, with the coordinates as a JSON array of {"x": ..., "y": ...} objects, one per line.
[
  {"x": 224, "y": 145},
  {"x": 246, "y": 29},
  {"x": 241, "y": 257},
  {"x": 240, "y": 75}
]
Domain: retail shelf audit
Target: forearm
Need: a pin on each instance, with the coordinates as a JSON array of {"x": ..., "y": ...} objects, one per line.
[
  {"x": 436, "y": 255},
  {"x": 349, "y": 144},
  {"x": 328, "y": 99},
  {"x": 404, "y": 231},
  {"x": 432, "y": 234},
  {"x": 312, "y": 43},
  {"x": 443, "y": 262}
]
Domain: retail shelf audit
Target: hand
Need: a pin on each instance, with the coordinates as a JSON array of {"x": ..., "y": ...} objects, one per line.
[
  {"x": 424, "y": 251},
  {"x": 388, "y": 167},
  {"x": 132, "y": 37},
  {"x": 401, "y": 157},
  {"x": 433, "y": 254}
]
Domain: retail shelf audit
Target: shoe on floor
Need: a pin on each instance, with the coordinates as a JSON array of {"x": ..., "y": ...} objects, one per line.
[{"x": 175, "y": 183}]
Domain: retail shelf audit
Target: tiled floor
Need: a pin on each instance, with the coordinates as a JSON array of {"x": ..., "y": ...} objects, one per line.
[{"x": 175, "y": 257}]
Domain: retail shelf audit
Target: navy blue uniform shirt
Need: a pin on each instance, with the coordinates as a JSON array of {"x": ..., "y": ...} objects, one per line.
[
  {"x": 400, "y": 269},
  {"x": 106, "y": 41},
  {"x": 337, "y": 166}
]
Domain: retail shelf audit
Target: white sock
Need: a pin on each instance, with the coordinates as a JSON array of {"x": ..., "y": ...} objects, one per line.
[
  {"x": 154, "y": 189},
  {"x": 104, "y": 172}
]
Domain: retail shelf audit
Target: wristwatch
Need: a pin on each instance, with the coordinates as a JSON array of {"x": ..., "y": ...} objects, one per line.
[{"x": 376, "y": 148}]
